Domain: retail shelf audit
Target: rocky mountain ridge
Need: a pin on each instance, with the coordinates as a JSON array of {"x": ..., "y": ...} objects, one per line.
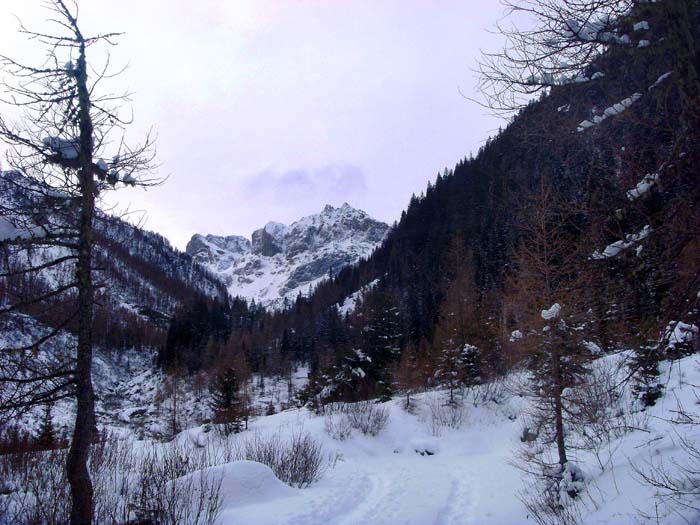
[{"x": 281, "y": 261}]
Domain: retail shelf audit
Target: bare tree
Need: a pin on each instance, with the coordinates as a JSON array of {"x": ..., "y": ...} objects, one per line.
[
  {"x": 549, "y": 43},
  {"x": 67, "y": 149},
  {"x": 407, "y": 374},
  {"x": 549, "y": 288}
]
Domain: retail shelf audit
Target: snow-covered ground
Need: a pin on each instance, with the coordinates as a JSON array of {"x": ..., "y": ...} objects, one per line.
[
  {"x": 405, "y": 474},
  {"x": 413, "y": 472},
  {"x": 424, "y": 466}
]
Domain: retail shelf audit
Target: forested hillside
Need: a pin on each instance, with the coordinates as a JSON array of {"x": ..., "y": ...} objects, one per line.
[
  {"x": 586, "y": 198},
  {"x": 142, "y": 280}
]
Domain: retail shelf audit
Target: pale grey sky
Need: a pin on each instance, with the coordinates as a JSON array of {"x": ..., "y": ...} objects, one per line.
[{"x": 269, "y": 109}]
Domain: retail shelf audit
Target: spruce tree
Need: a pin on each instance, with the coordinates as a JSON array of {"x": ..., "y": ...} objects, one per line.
[
  {"x": 47, "y": 434},
  {"x": 225, "y": 401}
]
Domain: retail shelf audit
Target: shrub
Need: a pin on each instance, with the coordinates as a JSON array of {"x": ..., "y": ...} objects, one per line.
[
  {"x": 166, "y": 485},
  {"x": 298, "y": 461},
  {"x": 445, "y": 414},
  {"x": 367, "y": 417},
  {"x": 338, "y": 426}
]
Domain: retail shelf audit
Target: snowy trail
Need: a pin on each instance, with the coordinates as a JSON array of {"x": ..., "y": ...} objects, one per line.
[
  {"x": 376, "y": 495},
  {"x": 385, "y": 481}
]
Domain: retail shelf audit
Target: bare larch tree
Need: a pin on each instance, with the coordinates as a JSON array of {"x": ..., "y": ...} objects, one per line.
[
  {"x": 548, "y": 43},
  {"x": 66, "y": 148}
]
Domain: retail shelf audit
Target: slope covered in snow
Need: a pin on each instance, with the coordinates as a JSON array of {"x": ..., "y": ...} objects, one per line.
[
  {"x": 280, "y": 261},
  {"x": 423, "y": 468}
]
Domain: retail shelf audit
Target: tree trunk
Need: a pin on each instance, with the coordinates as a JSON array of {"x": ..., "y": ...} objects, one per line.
[
  {"x": 77, "y": 466},
  {"x": 175, "y": 386},
  {"x": 558, "y": 411}
]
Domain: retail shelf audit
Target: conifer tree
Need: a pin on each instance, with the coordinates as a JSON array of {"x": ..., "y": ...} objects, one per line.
[
  {"x": 381, "y": 342},
  {"x": 225, "y": 401},
  {"x": 450, "y": 370},
  {"x": 47, "y": 434}
]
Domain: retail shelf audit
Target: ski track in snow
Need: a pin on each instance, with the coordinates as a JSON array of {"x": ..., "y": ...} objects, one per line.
[
  {"x": 407, "y": 491},
  {"x": 365, "y": 496}
]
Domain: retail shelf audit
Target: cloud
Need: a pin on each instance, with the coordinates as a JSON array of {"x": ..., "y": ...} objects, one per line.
[{"x": 308, "y": 189}]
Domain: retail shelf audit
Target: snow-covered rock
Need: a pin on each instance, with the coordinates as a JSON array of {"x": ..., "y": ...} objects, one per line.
[{"x": 643, "y": 186}]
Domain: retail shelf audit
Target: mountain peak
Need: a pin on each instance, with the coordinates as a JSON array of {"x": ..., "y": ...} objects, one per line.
[{"x": 281, "y": 261}]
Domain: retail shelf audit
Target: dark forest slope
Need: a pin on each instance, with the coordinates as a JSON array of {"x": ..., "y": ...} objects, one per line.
[{"x": 614, "y": 162}]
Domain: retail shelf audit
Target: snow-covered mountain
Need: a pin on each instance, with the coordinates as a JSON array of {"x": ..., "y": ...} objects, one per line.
[
  {"x": 142, "y": 273},
  {"x": 280, "y": 261}
]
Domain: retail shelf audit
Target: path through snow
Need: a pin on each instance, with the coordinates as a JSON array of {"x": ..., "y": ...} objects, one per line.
[{"x": 385, "y": 481}]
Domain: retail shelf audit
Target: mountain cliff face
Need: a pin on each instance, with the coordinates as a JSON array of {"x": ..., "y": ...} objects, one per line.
[{"x": 281, "y": 261}]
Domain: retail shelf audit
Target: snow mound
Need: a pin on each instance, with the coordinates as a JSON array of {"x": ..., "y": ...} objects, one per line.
[{"x": 248, "y": 482}]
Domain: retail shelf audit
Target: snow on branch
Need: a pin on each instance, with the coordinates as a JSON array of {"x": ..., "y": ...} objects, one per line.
[
  {"x": 552, "y": 313},
  {"x": 643, "y": 186},
  {"x": 550, "y": 43},
  {"x": 660, "y": 79},
  {"x": 611, "y": 111},
  {"x": 611, "y": 250}
]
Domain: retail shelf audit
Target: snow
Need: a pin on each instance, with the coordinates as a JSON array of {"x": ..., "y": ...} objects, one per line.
[
  {"x": 65, "y": 148},
  {"x": 593, "y": 31},
  {"x": 643, "y": 43},
  {"x": 660, "y": 79},
  {"x": 408, "y": 474},
  {"x": 552, "y": 313},
  {"x": 129, "y": 179},
  {"x": 403, "y": 475},
  {"x": 574, "y": 480},
  {"x": 679, "y": 333},
  {"x": 608, "y": 112},
  {"x": 350, "y": 302},
  {"x": 593, "y": 348},
  {"x": 643, "y": 186},
  {"x": 10, "y": 232},
  {"x": 641, "y": 26},
  {"x": 359, "y": 372},
  {"x": 276, "y": 229},
  {"x": 248, "y": 482},
  {"x": 611, "y": 250}
]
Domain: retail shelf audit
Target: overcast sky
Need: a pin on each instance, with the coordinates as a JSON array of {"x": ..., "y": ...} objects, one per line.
[{"x": 267, "y": 110}]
